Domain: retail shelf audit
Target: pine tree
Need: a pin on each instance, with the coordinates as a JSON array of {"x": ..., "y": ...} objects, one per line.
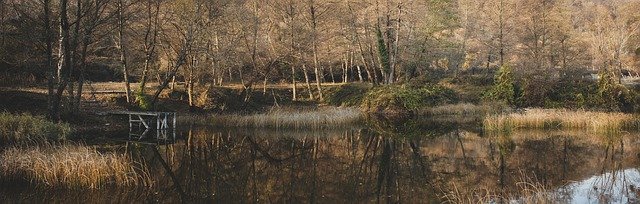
[{"x": 503, "y": 88}]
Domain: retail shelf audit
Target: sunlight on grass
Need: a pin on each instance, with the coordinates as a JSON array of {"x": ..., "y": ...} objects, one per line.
[
  {"x": 599, "y": 122},
  {"x": 70, "y": 166},
  {"x": 463, "y": 109},
  {"x": 282, "y": 118}
]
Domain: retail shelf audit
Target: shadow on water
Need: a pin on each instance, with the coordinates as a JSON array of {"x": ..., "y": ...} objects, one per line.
[{"x": 383, "y": 161}]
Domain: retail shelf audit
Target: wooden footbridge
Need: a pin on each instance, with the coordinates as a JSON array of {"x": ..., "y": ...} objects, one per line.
[{"x": 164, "y": 123}]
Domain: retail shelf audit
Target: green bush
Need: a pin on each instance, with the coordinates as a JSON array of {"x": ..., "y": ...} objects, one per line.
[
  {"x": 347, "y": 95},
  {"x": 613, "y": 96},
  {"x": 406, "y": 98},
  {"x": 504, "y": 88},
  {"x": 28, "y": 128},
  {"x": 144, "y": 101}
]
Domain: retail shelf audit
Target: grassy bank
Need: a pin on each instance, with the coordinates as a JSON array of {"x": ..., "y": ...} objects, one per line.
[
  {"x": 288, "y": 118},
  {"x": 27, "y": 128},
  {"x": 561, "y": 118},
  {"x": 69, "y": 166}
]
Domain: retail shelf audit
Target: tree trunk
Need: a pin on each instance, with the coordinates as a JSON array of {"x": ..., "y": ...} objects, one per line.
[
  {"x": 317, "y": 72},
  {"x": 293, "y": 80},
  {"x": 306, "y": 79},
  {"x": 172, "y": 73},
  {"x": 51, "y": 70},
  {"x": 345, "y": 70},
  {"x": 394, "y": 49},
  {"x": 333, "y": 78},
  {"x": 123, "y": 51},
  {"x": 83, "y": 64},
  {"x": 86, "y": 40},
  {"x": 181, "y": 60},
  {"x": 314, "y": 23},
  {"x": 190, "y": 83},
  {"x": 149, "y": 43},
  {"x": 63, "y": 61},
  {"x": 264, "y": 84},
  {"x": 71, "y": 107},
  {"x": 359, "y": 73}
]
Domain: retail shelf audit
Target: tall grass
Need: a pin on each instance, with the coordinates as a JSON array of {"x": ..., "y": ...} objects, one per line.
[
  {"x": 70, "y": 166},
  {"x": 282, "y": 118},
  {"x": 527, "y": 190},
  {"x": 463, "y": 109},
  {"x": 28, "y": 128},
  {"x": 599, "y": 122}
]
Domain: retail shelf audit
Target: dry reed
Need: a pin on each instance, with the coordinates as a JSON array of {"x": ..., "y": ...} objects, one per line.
[
  {"x": 70, "y": 166},
  {"x": 527, "y": 191},
  {"x": 599, "y": 122},
  {"x": 281, "y": 118},
  {"x": 463, "y": 109}
]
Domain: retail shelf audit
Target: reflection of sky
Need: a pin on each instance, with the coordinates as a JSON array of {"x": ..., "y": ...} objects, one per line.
[{"x": 620, "y": 186}]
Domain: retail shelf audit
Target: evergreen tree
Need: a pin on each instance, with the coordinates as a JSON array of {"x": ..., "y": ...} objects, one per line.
[{"x": 504, "y": 88}]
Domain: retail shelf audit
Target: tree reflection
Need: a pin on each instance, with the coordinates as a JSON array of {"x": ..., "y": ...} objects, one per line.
[{"x": 387, "y": 163}]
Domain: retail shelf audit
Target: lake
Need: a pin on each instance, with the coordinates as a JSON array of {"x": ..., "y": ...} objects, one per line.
[{"x": 411, "y": 161}]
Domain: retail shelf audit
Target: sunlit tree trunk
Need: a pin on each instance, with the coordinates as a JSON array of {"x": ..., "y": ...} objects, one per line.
[
  {"x": 190, "y": 83},
  {"x": 333, "y": 78},
  {"x": 314, "y": 30},
  {"x": 306, "y": 79},
  {"x": 123, "y": 50},
  {"x": 63, "y": 61}
]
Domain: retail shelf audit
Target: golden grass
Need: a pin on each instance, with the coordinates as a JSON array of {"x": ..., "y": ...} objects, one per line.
[
  {"x": 28, "y": 128},
  {"x": 70, "y": 166},
  {"x": 527, "y": 191},
  {"x": 283, "y": 118},
  {"x": 599, "y": 122}
]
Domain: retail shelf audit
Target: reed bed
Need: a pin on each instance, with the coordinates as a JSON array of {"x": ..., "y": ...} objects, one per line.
[
  {"x": 299, "y": 119},
  {"x": 70, "y": 166},
  {"x": 27, "y": 128},
  {"x": 462, "y": 109},
  {"x": 599, "y": 122},
  {"x": 527, "y": 191}
]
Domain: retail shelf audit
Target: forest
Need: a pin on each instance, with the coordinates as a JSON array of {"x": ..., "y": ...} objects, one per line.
[
  {"x": 320, "y": 101},
  {"x": 548, "y": 47}
]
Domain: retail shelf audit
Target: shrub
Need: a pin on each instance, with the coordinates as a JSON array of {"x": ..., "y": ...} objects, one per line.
[
  {"x": 612, "y": 95},
  {"x": 28, "y": 128},
  {"x": 607, "y": 90},
  {"x": 403, "y": 98},
  {"x": 347, "y": 95},
  {"x": 219, "y": 99},
  {"x": 504, "y": 88},
  {"x": 144, "y": 101}
]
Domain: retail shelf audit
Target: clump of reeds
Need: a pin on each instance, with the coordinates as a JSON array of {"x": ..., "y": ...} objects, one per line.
[
  {"x": 281, "y": 118},
  {"x": 464, "y": 109},
  {"x": 599, "y": 122},
  {"x": 70, "y": 166},
  {"x": 527, "y": 191},
  {"x": 28, "y": 128}
]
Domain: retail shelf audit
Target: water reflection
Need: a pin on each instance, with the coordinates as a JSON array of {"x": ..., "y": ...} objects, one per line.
[{"x": 417, "y": 162}]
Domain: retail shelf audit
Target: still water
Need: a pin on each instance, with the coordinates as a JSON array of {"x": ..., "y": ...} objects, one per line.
[{"x": 405, "y": 162}]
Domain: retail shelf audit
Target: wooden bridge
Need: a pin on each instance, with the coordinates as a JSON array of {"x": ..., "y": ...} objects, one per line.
[{"x": 164, "y": 123}]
